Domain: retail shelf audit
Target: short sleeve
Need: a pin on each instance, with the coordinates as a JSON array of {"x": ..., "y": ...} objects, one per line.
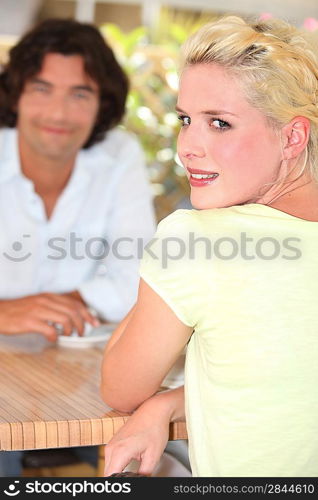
[{"x": 166, "y": 266}]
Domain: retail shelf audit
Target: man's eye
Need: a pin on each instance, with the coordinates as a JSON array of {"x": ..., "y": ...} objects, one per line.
[
  {"x": 185, "y": 120},
  {"x": 220, "y": 124},
  {"x": 40, "y": 88},
  {"x": 80, "y": 95}
]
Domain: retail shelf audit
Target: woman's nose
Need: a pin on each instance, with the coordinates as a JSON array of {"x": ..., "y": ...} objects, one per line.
[{"x": 190, "y": 146}]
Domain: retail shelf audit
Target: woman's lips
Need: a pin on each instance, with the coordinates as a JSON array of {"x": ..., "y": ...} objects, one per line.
[
  {"x": 201, "y": 178},
  {"x": 201, "y": 182}
]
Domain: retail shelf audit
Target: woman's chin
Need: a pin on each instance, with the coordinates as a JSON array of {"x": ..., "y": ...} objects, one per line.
[{"x": 200, "y": 203}]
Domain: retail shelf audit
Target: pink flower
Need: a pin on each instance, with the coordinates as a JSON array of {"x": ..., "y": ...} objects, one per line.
[
  {"x": 265, "y": 15},
  {"x": 310, "y": 24}
]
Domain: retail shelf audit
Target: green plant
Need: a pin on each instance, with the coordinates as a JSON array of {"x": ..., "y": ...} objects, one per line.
[{"x": 150, "y": 58}]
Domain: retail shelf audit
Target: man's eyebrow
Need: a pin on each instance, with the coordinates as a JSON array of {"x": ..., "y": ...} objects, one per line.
[
  {"x": 212, "y": 112},
  {"x": 39, "y": 80}
]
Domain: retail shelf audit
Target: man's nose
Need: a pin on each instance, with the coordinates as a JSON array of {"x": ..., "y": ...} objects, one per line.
[{"x": 57, "y": 107}]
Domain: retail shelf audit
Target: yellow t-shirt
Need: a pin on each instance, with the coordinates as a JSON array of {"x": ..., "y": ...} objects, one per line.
[{"x": 246, "y": 279}]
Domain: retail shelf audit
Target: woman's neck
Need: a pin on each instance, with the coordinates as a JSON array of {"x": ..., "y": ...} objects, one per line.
[{"x": 300, "y": 199}]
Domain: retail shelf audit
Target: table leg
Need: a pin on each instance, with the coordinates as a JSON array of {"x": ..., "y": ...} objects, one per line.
[{"x": 101, "y": 461}]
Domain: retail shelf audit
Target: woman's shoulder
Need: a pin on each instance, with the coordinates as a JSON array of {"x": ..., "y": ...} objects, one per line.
[
  {"x": 179, "y": 221},
  {"x": 192, "y": 218},
  {"x": 223, "y": 214},
  {"x": 181, "y": 214}
]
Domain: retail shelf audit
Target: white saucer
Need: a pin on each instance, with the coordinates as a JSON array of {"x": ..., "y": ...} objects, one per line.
[{"x": 92, "y": 336}]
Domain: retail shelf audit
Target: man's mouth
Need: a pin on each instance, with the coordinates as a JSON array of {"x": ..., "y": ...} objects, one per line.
[{"x": 56, "y": 130}]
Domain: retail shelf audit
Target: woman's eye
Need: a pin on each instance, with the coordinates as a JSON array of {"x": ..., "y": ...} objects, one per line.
[
  {"x": 220, "y": 124},
  {"x": 185, "y": 120}
]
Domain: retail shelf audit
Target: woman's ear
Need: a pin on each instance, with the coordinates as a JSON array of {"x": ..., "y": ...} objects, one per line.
[{"x": 295, "y": 137}]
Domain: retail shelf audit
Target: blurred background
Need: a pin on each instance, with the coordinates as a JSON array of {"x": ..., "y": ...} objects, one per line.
[{"x": 146, "y": 36}]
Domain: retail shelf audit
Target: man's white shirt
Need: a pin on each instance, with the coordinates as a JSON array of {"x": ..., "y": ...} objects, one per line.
[{"x": 94, "y": 238}]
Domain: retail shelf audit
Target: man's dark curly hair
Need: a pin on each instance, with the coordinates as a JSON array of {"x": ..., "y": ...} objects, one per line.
[{"x": 67, "y": 37}]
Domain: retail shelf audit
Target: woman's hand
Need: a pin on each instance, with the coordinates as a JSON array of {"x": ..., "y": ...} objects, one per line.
[
  {"x": 141, "y": 439},
  {"x": 145, "y": 434}
]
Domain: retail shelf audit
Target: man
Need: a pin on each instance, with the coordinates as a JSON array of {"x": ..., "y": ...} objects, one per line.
[
  {"x": 75, "y": 203},
  {"x": 73, "y": 188}
]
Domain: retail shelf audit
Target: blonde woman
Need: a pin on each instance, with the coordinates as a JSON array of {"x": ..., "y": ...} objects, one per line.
[{"x": 236, "y": 279}]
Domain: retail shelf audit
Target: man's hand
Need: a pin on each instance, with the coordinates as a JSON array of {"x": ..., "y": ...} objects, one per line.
[
  {"x": 75, "y": 295},
  {"x": 38, "y": 313}
]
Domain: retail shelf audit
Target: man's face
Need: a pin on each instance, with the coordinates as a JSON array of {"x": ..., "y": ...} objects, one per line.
[{"x": 57, "y": 109}]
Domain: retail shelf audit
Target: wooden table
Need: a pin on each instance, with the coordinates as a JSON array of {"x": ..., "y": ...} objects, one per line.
[{"x": 49, "y": 397}]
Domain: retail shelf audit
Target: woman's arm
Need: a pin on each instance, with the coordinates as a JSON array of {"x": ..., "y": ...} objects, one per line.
[
  {"x": 145, "y": 434},
  {"x": 143, "y": 352},
  {"x": 119, "y": 330}
]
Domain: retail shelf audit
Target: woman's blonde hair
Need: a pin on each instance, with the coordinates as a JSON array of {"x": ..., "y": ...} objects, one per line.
[{"x": 275, "y": 63}]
